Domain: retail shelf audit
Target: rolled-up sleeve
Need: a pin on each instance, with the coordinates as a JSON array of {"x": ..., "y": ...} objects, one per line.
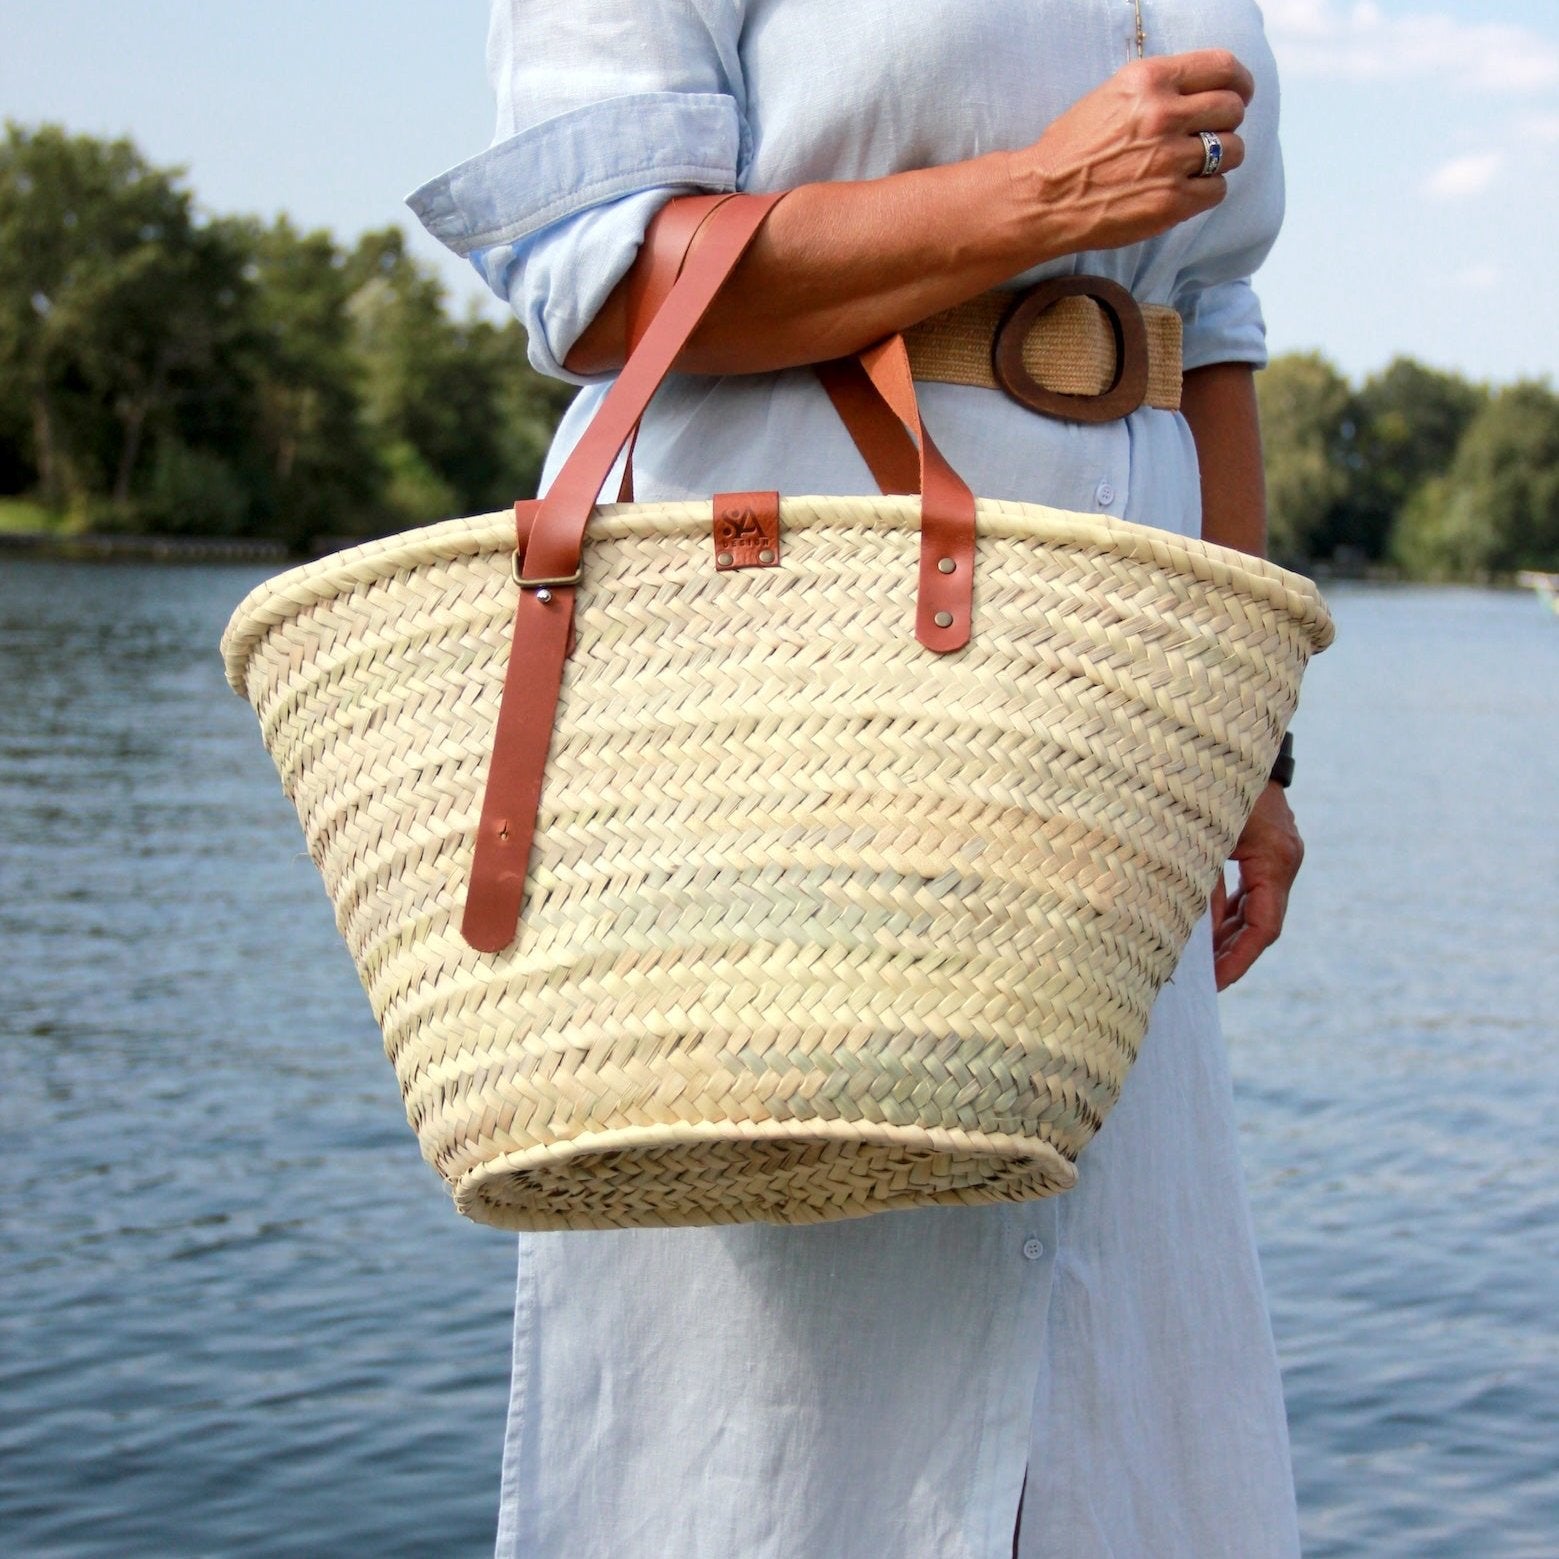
[
  {"x": 1219, "y": 307},
  {"x": 606, "y": 109},
  {"x": 1223, "y": 324}
]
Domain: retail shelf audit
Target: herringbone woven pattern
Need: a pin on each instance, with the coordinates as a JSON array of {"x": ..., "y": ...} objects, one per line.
[{"x": 819, "y": 922}]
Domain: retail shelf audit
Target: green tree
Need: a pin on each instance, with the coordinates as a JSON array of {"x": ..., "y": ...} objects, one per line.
[
  {"x": 529, "y": 406},
  {"x": 117, "y": 306},
  {"x": 1307, "y": 426},
  {"x": 1410, "y": 421},
  {"x": 462, "y": 419},
  {"x": 319, "y": 470},
  {"x": 1497, "y": 508},
  {"x": 429, "y": 399}
]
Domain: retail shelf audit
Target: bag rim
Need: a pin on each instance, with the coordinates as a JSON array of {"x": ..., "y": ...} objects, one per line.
[{"x": 286, "y": 595}]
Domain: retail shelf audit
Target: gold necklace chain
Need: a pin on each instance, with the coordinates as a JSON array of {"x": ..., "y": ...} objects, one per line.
[{"x": 1142, "y": 37}]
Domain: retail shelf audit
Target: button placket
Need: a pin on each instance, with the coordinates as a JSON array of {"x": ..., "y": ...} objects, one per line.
[
  {"x": 1031, "y": 1242},
  {"x": 1017, "y": 1355}
]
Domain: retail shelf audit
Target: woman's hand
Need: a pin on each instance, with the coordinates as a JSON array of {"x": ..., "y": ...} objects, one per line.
[
  {"x": 1219, "y": 405},
  {"x": 1121, "y": 164},
  {"x": 1250, "y": 920}
]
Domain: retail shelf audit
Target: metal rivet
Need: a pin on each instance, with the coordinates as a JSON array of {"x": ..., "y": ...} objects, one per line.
[
  {"x": 543, "y": 595},
  {"x": 943, "y": 619},
  {"x": 767, "y": 555},
  {"x": 724, "y": 559},
  {"x": 947, "y": 565}
]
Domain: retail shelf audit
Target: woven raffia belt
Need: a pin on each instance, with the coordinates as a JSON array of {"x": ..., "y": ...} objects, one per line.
[{"x": 1077, "y": 347}]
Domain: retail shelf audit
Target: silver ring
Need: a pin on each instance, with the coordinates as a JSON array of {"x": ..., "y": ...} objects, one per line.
[{"x": 1212, "y": 155}]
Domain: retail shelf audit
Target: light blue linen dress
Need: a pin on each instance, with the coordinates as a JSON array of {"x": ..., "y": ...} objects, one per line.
[{"x": 877, "y": 1388}]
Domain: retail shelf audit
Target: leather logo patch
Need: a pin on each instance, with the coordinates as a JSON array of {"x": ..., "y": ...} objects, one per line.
[{"x": 746, "y": 530}]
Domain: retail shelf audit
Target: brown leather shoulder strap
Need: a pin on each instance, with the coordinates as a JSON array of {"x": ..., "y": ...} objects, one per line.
[
  {"x": 549, "y": 534},
  {"x": 565, "y": 511},
  {"x": 945, "y": 598},
  {"x": 888, "y": 451},
  {"x": 665, "y": 248},
  {"x": 666, "y": 242}
]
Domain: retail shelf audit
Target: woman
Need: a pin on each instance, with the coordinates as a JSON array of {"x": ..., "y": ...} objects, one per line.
[{"x": 1087, "y": 1375}]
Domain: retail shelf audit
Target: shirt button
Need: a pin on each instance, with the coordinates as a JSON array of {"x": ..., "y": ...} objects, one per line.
[
  {"x": 1105, "y": 494},
  {"x": 1033, "y": 1249}
]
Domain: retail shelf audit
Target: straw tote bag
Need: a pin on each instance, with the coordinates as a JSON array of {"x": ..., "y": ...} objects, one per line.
[{"x": 767, "y": 860}]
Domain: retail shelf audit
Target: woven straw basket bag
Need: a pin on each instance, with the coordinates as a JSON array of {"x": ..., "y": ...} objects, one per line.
[{"x": 690, "y": 892}]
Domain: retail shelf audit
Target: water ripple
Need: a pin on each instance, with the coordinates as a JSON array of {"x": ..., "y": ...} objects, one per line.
[{"x": 238, "y": 1306}]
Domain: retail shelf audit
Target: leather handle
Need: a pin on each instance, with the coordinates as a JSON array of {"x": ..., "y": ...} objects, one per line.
[
  {"x": 558, "y": 532},
  {"x": 667, "y": 241},
  {"x": 664, "y": 251},
  {"x": 890, "y": 454},
  {"x": 945, "y": 595},
  {"x": 874, "y": 396},
  {"x": 549, "y": 536}
]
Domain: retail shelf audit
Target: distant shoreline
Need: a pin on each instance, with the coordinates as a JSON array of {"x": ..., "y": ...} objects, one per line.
[
  {"x": 96, "y": 547},
  {"x": 108, "y": 547}
]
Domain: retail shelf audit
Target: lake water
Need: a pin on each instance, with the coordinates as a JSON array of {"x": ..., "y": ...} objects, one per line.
[{"x": 238, "y": 1314}]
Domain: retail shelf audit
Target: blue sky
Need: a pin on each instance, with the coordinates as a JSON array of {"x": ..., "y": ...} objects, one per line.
[{"x": 1421, "y": 139}]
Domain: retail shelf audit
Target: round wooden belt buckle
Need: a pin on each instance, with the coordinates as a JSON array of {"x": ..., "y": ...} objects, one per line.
[{"x": 1127, "y": 390}]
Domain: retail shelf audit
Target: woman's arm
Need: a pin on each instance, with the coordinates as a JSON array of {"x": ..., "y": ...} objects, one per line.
[
  {"x": 839, "y": 265},
  {"x": 1219, "y": 403}
]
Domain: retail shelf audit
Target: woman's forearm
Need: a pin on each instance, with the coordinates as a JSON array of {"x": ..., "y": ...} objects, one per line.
[
  {"x": 1219, "y": 403},
  {"x": 839, "y": 265}
]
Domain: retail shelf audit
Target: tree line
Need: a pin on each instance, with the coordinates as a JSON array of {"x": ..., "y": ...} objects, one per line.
[
  {"x": 1416, "y": 470},
  {"x": 166, "y": 372}
]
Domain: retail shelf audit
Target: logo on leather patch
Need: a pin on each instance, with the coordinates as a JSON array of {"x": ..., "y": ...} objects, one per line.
[{"x": 746, "y": 530}]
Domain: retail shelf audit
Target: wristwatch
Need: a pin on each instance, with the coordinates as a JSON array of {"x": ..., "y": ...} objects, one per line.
[{"x": 1283, "y": 765}]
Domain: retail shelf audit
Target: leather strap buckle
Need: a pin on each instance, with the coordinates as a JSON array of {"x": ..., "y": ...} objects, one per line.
[
  {"x": 1129, "y": 387},
  {"x": 541, "y": 584}
]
